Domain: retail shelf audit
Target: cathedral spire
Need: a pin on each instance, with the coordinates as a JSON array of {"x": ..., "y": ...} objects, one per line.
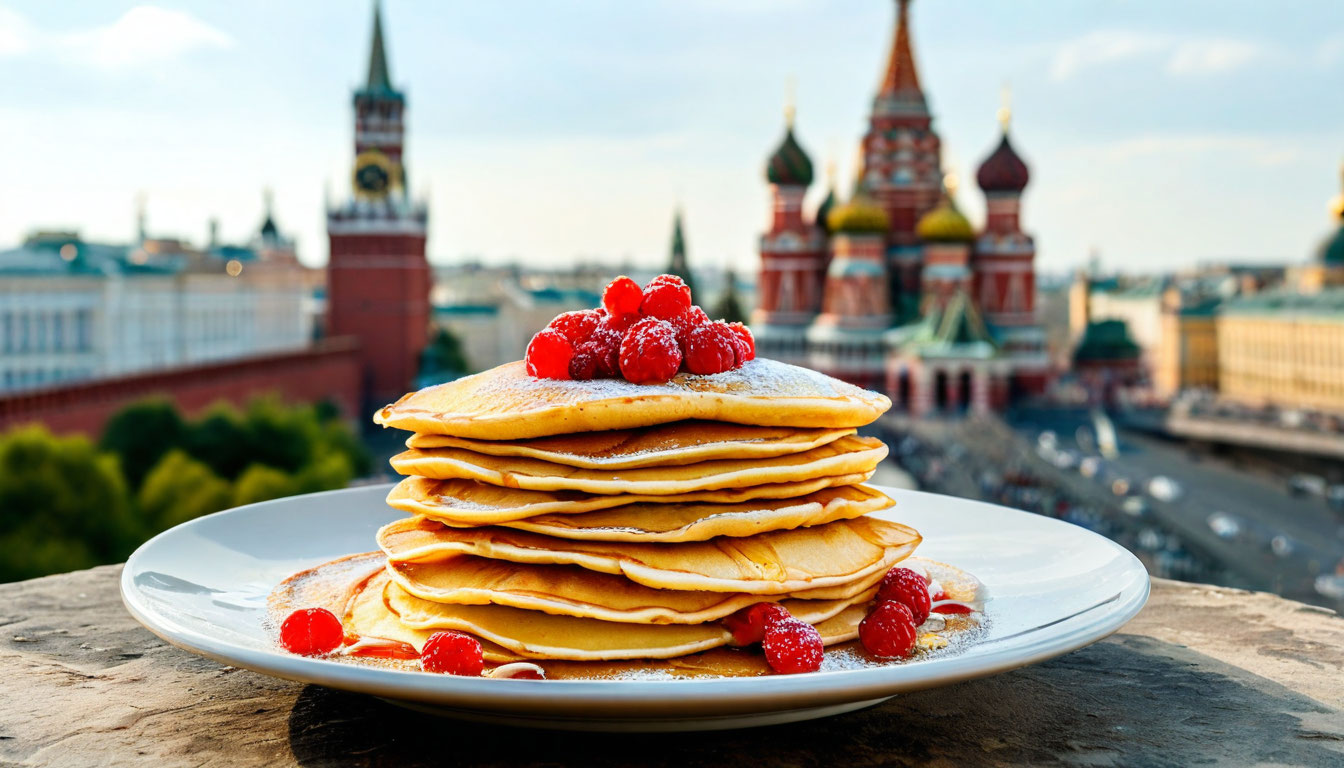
[
  {"x": 902, "y": 79},
  {"x": 677, "y": 264},
  {"x": 379, "y": 77}
]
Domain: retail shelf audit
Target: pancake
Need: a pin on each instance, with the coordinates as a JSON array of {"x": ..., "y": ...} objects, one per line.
[
  {"x": 698, "y": 521},
  {"x": 683, "y": 442},
  {"x": 774, "y": 563},
  {"x": 535, "y": 635},
  {"x": 463, "y": 503},
  {"x": 568, "y": 590},
  {"x": 848, "y": 455},
  {"x": 504, "y": 403}
]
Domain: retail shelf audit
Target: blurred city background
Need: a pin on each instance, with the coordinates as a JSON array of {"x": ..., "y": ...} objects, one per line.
[{"x": 1094, "y": 252}]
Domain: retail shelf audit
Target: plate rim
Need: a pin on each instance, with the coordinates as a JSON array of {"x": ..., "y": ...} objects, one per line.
[{"x": 630, "y": 698}]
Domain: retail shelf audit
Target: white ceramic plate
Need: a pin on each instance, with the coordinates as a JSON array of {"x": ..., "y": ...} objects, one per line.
[{"x": 1053, "y": 587}]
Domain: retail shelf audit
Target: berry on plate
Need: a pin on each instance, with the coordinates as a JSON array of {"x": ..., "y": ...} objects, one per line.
[
  {"x": 576, "y": 326},
  {"x": 666, "y": 297},
  {"x": 649, "y": 352},
  {"x": 888, "y": 631},
  {"x": 907, "y": 587},
  {"x": 792, "y": 646},
  {"x": 548, "y": 355},
  {"x": 748, "y": 341},
  {"x": 748, "y": 625},
  {"x": 311, "y": 632},
  {"x": 622, "y": 296},
  {"x": 452, "y": 653},
  {"x": 712, "y": 348}
]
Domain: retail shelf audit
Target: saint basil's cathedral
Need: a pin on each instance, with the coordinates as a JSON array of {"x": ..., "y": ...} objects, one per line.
[{"x": 894, "y": 288}]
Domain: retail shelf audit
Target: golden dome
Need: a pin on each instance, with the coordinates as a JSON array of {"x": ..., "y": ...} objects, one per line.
[
  {"x": 946, "y": 224},
  {"x": 1337, "y": 205},
  {"x": 859, "y": 215}
]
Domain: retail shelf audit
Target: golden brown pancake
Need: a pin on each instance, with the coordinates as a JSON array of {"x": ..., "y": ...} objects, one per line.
[
  {"x": 466, "y": 502},
  {"x": 696, "y": 521},
  {"x": 568, "y": 590},
  {"x": 848, "y": 455},
  {"x": 665, "y": 445},
  {"x": 536, "y": 635},
  {"x": 774, "y": 563},
  {"x": 504, "y": 403}
]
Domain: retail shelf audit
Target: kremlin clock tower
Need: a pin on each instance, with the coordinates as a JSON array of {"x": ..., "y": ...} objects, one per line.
[{"x": 378, "y": 279}]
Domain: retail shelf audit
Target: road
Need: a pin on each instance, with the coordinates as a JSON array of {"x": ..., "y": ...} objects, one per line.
[{"x": 1211, "y": 484}]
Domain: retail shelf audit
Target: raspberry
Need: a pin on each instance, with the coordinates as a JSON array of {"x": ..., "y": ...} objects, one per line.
[
  {"x": 622, "y": 296},
  {"x": 452, "y": 653},
  {"x": 749, "y": 341},
  {"x": 688, "y": 322},
  {"x": 666, "y": 297},
  {"x": 792, "y": 646},
  {"x": 712, "y": 348},
  {"x": 576, "y": 326},
  {"x": 548, "y": 355},
  {"x": 888, "y": 631},
  {"x": 749, "y": 624},
  {"x": 598, "y": 357},
  {"x": 618, "y": 324},
  {"x": 311, "y": 632},
  {"x": 908, "y": 588},
  {"x": 649, "y": 352}
]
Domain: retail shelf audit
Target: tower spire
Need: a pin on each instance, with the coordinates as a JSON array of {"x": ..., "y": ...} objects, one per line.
[
  {"x": 901, "y": 77},
  {"x": 379, "y": 77},
  {"x": 1005, "y": 113},
  {"x": 677, "y": 264}
]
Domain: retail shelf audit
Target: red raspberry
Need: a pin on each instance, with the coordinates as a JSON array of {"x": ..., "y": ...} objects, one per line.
[
  {"x": 792, "y": 646},
  {"x": 712, "y": 348},
  {"x": 908, "y": 588},
  {"x": 649, "y": 352},
  {"x": 598, "y": 357},
  {"x": 312, "y": 632},
  {"x": 749, "y": 341},
  {"x": 453, "y": 653},
  {"x": 622, "y": 296},
  {"x": 749, "y": 624},
  {"x": 548, "y": 355},
  {"x": 666, "y": 297},
  {"x": 618, "y": 324},
  {"x": 888, "y": 631},
  {"x": 688, "y": 322},
  {"x": 576, "y": 326}
]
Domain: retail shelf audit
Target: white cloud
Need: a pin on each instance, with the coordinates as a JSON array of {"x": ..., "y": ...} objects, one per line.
[
  {"x": 144, "y": 35},
  {"x": 16, "y": 35},
  {"x": 1212, "y": 56},
  {"x": 1185, "y": 56}
]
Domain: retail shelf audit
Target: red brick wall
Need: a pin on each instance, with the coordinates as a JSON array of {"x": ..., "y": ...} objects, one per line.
[{"x": 329, "y": 370}]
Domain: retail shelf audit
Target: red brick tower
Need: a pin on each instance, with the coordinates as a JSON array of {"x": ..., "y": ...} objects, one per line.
[
  {"x": 378, "y": 280},
  {"x": 1004, "y": 265},
  {"x": 793, "y": 254},
  {"x": 901, "y": 158}
]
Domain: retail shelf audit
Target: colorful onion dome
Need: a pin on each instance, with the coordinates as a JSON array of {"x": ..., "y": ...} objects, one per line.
[
  {"x": 945, "y": 224},
  {"x": 789, "y": 165},
  {"x": 824, "y": 210},
  {"x": 1337, "y": 205},
  {"x": 861, "y": 215},
  {"x": 1332, "y": 250},
  {"x": 1003, "y": 170}
]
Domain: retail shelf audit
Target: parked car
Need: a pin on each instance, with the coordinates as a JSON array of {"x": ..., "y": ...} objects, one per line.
[
  {"x": 1302, "y": 484},
  {"x": 1224, "y": 526},
  {"x": 1163, "y": 488}
]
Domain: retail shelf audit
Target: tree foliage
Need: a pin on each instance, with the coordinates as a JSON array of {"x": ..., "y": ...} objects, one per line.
[
  {"x": 443, "y": 358},
  {"x": 66, "y": 504}
]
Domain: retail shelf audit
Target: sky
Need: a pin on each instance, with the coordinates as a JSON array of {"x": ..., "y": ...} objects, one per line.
[{"x": 1158, "y": 134}]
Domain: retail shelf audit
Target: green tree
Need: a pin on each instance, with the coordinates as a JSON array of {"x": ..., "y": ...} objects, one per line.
[
  {"x": 279, "y": 436},
  {"x": 178, "y": 489},
  {"x": 729, "y": 307},
  {"x": 444, "y": 358},
  {"x": 63, "y": 505},
  {"x": 325, "y": 473},
  {"x": 221, "y": 440},
  {"x": 140, "y": 434},
  {"x": 262, "y": 483}
]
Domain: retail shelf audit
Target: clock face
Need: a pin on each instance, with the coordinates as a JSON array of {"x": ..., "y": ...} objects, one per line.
[
  {"x": 374, "y": 174},
  {"x": 372, "y": 178}
]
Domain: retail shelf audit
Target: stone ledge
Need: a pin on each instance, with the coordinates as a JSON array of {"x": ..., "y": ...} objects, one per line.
[{"x": 1203, "y": 675}]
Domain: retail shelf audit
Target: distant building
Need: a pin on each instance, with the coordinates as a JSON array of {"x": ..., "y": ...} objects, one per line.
[
  {"x": 73, "y": 310},
  {"x": 1187, "y": 356},
  {"x": 378, "y": 280},
  {"x": 894, "y": 288},
  {"x": 1107, "y": 359}
]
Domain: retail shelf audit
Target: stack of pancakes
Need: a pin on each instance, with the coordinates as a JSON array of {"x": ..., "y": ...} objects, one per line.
[{"x": 601, "y": 520}]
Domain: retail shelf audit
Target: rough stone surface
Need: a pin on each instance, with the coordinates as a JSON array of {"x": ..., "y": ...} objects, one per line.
[{"x": 1204, "y": 676}]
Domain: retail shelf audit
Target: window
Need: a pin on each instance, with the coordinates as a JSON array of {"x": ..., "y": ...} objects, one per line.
[
  {"x": 58, "y": 332},
  {"x": 25, "y": 333}
]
